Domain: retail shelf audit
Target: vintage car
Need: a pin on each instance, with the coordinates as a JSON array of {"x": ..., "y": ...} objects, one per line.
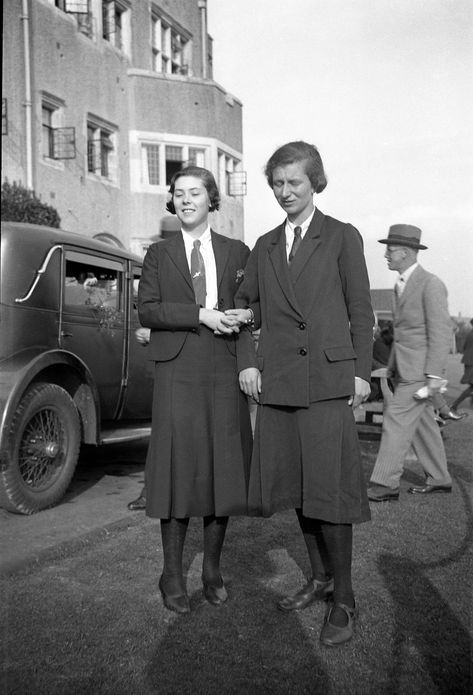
[{"x": 71, "y": 368}]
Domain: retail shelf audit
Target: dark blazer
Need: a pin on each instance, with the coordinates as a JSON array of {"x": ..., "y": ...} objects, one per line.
[
  {"x": 317, "y": 328},
  {"x": 166, "y": 301}
]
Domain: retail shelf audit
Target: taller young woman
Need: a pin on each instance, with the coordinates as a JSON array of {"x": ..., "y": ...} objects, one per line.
[
  {"x": 306, "y": 286},
  {"x": 200, "y": 446}
]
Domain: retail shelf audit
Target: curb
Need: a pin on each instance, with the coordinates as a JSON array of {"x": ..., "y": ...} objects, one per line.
[{"x": 70, "y": 547}]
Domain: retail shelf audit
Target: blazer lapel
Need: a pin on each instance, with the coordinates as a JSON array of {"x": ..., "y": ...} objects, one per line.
[
  {"x": 221, "y": 251},
  {"x": 309, "y": 244},
  {"x": 278, "y": 259},
  {"x": 177, "y": 253},
  {"x": 411, "y": 285}
]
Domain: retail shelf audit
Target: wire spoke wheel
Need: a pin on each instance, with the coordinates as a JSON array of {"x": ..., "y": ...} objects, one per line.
[
  {"x": 44, "y": 444},
  {"x": 42, "y": 449}
]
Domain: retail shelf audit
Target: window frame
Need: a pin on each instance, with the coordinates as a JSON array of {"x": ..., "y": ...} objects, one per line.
[
  {"x": 102, "y": 150},
  {"x": 171, "y": 45}
]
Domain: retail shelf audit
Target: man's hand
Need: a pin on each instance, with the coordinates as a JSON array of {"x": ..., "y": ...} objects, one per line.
[
  {"x": 362, "y": 391},
  {"x": 250, "y": 382},
  {"x": 143, "y": 335}
]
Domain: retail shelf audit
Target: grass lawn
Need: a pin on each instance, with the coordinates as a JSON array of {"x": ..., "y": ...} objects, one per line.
[{"x": 93, "y": 622}]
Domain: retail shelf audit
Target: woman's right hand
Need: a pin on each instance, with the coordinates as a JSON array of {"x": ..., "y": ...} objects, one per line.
[
  {"x": 214, "y": 320},
  {"x": 250, "y": 382}
]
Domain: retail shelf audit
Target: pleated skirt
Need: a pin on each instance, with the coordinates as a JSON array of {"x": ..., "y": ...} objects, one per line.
[
  {"x": 200, "y": 446},
  {"x": 308, "y": 458}
]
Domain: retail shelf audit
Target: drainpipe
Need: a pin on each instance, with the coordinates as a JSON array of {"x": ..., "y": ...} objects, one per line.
[
  {"x": 25, "y": 17},
  {"x": 203, "y": 18}
]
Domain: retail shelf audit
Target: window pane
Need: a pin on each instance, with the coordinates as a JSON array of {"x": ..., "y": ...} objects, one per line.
[
  {"x": 152, "y": 158},
  {"x": 173, "y": 154},
  {"x": 197, "y": 156},
  {"x": 92, "y": 286}
]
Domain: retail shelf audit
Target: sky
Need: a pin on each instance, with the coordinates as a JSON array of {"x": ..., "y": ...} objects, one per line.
[{"x": 384, "y": 89}]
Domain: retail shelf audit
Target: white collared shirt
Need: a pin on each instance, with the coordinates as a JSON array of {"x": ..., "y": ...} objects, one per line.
[
  {"x": 404, "y": 277},
  {"x": 206, "y": 249},
  {"x": 289, "y": 231}
]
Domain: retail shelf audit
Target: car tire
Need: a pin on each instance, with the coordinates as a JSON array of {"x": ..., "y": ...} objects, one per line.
[{"x": 43, "y": 449}]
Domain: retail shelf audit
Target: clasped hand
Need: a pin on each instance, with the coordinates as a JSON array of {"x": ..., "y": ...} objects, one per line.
[{"x": 218, "y": 322}]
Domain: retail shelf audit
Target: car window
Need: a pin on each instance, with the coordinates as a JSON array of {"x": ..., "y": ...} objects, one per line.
[{"x": 92, "y": 282}]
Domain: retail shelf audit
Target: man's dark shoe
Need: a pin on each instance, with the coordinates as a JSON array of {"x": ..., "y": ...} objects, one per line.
[
  {"x": 428, "y": 489},
  {"x": 452, "y": 415},
  {"x": 314, "y": 590},
  {"x": 138, "y": 504},
  {"x": 382, "y": 493}
]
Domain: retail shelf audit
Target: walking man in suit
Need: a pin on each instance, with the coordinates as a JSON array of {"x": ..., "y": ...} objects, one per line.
[{"x": 422, "y": 341}]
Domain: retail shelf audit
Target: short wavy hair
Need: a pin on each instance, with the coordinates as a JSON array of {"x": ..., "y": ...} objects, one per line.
[
  {"x": 298, "y": 151},
  {"x": 207, "y": 179}
]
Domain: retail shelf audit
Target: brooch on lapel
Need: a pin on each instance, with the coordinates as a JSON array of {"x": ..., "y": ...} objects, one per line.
[{"x": 239, "y": 275}]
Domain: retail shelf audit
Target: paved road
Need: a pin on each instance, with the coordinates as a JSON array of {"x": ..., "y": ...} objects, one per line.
[{"x": 105, "y": 481}]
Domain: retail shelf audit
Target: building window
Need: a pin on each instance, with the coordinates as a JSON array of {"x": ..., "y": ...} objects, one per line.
[
  {"x": 57, "y": 142},
  {"x": 101, "y": 150},
  {"x": 197, "y": 156},
  {"x": 152, "y": 164},
  {"x": 227, "y": 165},
  {"x": 174, "y": 161},
  {"x": 170, "y": 46},
  {"x": 159, "y": 161},
  {"x": 116, "y": 23},
  {"x": 48, "y": 117},
  {"x": 80, "y": 9}
]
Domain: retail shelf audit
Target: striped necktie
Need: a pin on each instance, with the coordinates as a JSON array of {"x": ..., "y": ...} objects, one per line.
[{"x": 198, "y": 274}]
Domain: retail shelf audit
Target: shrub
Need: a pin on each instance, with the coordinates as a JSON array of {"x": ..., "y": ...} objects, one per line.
[{"x": 19, "y": 204}]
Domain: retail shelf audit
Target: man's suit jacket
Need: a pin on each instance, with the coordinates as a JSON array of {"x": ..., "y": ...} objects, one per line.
[
  {"x": 422, "y": 328},
  {"x": 166, "y": 300},
  {"x": 316, "y": 318}
]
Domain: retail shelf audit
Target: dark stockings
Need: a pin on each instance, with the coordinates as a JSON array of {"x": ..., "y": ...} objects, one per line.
[
  {"x": 214, "y": 534},
  {"x": 173, "y": 534},
  {"x": 330, "y": 554}
]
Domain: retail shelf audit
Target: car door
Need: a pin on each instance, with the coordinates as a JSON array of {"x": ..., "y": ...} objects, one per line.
[
  {"x": 139, "y": 391},
  {"x": 92, "y": 320}
]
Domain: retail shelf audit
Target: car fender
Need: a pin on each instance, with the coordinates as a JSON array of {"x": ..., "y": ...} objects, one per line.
[{"x": 60, "y": 367}]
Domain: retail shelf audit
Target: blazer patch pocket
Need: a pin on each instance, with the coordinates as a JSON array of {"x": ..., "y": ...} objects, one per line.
[{"x": 342, "y": 352}]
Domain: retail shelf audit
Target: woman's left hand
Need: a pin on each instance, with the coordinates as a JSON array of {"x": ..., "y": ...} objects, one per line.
[
  {"x": 241, "y": 317},
  {"x": 362, "y": 391}
]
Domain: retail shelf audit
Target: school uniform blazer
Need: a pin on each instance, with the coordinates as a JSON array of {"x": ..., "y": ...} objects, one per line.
[
  {"x": 316, "y": 318},
  {"x": 166, "y": 300},
  {"x": 422, "y": 328}
]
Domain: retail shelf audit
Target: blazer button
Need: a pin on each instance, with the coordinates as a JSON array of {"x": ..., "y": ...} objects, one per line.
[
  {"x": 302, "y": 326},
  {"x": 303, "y": 352}
]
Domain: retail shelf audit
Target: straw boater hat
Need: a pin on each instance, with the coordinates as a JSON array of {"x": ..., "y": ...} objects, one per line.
[{"x": 404, "y": 235}]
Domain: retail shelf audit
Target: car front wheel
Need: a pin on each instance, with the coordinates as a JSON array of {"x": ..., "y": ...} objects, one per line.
[{"x": 43, "y": 449}]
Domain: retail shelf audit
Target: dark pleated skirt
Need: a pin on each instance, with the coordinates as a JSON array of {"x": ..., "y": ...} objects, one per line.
[
  {"x": 200, "y": 446},
  {"x": 308, "y": 458}
]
